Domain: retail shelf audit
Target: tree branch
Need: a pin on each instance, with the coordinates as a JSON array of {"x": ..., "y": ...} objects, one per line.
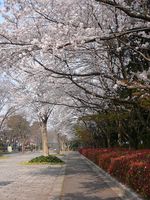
[{"x": 126, "y": 10}]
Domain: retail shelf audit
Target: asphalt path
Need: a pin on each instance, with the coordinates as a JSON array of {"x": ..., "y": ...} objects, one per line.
[{"x": 83, "y": 182}]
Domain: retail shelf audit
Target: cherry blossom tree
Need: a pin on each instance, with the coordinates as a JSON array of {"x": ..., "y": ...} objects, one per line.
[
  {"x": 38, "y": 97},
  {"x": 99, "y": 47},
  {"x": 7, "y": 108}
]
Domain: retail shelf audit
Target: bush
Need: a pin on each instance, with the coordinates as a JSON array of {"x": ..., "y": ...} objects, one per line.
[
  {"x": 120, "y": 166},
  {"x": 99, "y": 155},
  {"x": 46, "y": 159},
  {"x": 106, "y": 158},
  {"x": 138, "y": 178},
  {"x": 128, "y": 166}
]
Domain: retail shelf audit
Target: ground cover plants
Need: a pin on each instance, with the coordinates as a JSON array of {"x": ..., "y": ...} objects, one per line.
[
  {"x": 50, "y": 159},
  {"x": 3, "y": 157},
  {"x": 131, "y": 167}
]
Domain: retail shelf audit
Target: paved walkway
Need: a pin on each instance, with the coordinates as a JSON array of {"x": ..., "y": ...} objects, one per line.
[
  {"x": 19, "y": 182},
  {"x": 83, "y": 182}
]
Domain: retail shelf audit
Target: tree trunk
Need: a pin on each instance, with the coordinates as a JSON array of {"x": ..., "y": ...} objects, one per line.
[
  {"x": 44, "y": 138},
  {"x": 119, "y": 134},
  {"x": 59, "y": 144},
  {"x": 108, "y": 140},
  {"x": 23, "y": 146}
]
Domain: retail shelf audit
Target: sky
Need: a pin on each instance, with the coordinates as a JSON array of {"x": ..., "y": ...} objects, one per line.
[{"x": 1, "y": 4}]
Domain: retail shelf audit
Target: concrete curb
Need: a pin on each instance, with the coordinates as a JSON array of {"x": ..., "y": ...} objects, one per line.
[
  {"x": 122, "y": 191},
  {"x": 58, "y": 184}
]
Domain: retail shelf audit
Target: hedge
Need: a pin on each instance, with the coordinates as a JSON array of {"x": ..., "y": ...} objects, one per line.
[
  {"x": 128, "y": 166},
  {"x": 139, "y": 178}
]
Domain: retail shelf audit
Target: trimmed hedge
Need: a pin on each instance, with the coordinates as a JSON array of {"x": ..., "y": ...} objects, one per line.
[
  {"x": 105, "y": 160},
  {"x": 139, "y": 178},
  {"x": 120, "y": 166},
  {"x": 128, "y": 166}
]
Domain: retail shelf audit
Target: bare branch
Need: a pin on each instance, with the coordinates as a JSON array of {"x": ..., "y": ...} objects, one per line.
[{"x": 126, "y": 10}]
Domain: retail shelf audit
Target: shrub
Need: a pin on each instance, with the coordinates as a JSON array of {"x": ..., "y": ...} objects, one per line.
[
  {"x": 46, "y": 159},
  {"x": 120, "y": 166},
  {"x": 129, "y": 166},
  {"x": 139, "y": 178},
  {"x": 106, "y": 158}
]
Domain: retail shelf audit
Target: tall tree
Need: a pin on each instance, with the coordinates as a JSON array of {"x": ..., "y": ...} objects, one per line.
[{"x": 19, "y": 128}]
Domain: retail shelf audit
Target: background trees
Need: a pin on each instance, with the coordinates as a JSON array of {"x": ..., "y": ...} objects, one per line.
[
  {"x": 36, "y": 134},
  {"x": 19, "y": 130}
]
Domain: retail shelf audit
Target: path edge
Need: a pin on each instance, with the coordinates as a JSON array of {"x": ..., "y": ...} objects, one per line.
[
  {"x": 56, "y": 193},
  {"x": 129, "y": 194}
]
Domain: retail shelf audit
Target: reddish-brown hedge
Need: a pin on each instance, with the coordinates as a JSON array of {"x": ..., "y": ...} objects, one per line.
[
  {"x": 120, "y": 166},
  {"x": 128, "y": 166},
  {"x": 138, "y": 178}
]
